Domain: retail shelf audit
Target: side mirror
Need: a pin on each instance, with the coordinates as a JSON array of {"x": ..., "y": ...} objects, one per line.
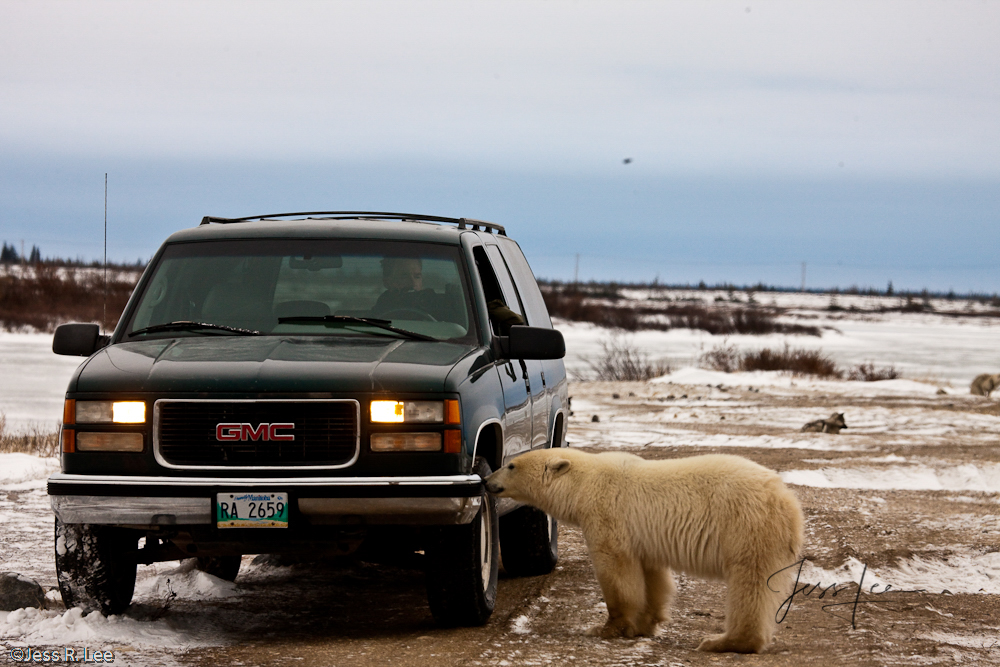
[
  {"x": 532, "y": 343},
  {"x": 78, "y": 340}
]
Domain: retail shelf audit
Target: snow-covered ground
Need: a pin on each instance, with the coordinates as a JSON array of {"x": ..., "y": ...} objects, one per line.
[
  {"x": 898, "y": 440},
  {"x": 32, "y": 381},
  {"x": 919, "y": 346}
]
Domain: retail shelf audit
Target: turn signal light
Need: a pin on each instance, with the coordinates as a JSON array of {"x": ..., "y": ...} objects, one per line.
[
  {"x": 108, "y": 442},
  {"x": 452, "y": 441},
  {"x": 452, "y": 415},
  {"x": 68, "y": 441},
  {"x": 406, "y": 442}
]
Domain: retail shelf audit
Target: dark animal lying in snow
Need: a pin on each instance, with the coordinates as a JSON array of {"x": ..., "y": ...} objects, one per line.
[{"x": 832, "y": 424}]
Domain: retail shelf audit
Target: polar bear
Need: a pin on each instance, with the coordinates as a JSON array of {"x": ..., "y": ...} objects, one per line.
[{"x": 715, "y": 516}]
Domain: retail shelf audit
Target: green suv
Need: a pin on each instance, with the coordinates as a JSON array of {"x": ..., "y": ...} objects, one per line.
[{"x": 312, "y": 383}]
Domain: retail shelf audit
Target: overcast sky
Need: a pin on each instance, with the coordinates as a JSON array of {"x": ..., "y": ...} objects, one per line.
[{"x": 860, "y": 137}]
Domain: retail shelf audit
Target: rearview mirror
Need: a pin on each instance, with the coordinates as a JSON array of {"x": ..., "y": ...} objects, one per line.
[
  {"x": 532, "y": 343},
  {"x": 78, "y": 340},
  {"x": 316, "y": 263}
]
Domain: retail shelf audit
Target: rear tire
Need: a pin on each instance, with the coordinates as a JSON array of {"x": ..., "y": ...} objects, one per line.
[
  {"x": 529, "y": 542},
  {"x": 462, "y": 564},
  {"x": 223, "y": 567},
  {"x": 96, "y": 566}
]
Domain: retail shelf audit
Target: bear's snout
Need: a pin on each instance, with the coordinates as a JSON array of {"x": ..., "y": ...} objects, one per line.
[{"x": 493, "y": 485}]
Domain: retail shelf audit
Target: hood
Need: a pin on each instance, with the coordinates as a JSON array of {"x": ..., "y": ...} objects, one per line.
[{"x": 270, "y": 364}]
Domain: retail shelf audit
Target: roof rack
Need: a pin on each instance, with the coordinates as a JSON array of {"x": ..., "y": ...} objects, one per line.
[{"x": 463, "y": 223}]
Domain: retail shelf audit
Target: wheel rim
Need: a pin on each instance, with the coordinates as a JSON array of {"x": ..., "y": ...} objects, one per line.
[{"x": 485, "y": 545}]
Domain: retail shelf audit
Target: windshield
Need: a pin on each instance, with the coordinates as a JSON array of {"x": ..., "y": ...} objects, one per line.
[{"x": 306, "y": 287}]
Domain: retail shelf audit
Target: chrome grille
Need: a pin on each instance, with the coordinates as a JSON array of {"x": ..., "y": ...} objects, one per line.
[{"x": 325, "y": 432}]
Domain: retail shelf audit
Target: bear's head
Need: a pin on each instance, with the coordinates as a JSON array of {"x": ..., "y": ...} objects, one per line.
[{"x": 531, "y": 477}]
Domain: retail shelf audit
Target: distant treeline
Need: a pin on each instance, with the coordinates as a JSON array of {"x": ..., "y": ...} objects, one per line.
[
  {"x": 606, "y": 305},
  {"x": 612, "y": 290},
  {"x": 10, "y": 255},
  {"x": 42, "y": 295}
]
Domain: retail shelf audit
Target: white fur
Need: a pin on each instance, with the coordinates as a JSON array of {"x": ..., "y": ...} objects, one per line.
[{"x": 717, "y": 516}]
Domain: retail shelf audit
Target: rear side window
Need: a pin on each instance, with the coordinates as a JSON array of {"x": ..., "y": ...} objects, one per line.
[
  {"x": 502, "y": 303},
  {"x": 527, "y": 287}
]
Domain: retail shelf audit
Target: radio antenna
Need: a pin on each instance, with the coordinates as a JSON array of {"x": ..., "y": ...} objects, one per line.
[{"x": 104, "y": 319}]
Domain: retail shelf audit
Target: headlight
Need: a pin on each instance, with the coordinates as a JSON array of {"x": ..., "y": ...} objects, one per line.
[
  {"x": 415, "y": 412},
  {"x": 110, "y": 412}
]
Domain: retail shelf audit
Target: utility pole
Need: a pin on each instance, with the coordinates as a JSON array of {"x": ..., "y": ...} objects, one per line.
[
  {"x": 576, "y": 271},
  {"x": 803, "y": 276},
  {"x": 105, "y": 316}
]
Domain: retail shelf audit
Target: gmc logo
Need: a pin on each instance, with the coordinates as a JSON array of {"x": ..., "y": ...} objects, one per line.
[{"x": 243, "y": 431}]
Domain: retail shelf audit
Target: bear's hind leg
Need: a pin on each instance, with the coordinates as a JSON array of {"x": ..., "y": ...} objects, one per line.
[
  {"x": 659, "y": 594},
  {"x": 750, "y": 610},
  {"x": 623, "y": 584}
]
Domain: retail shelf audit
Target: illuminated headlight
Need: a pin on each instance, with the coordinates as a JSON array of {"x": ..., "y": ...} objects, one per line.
[
  {"x": 409, "y": 412},
  {"x": 406, "y": 442},
  {"x": 110, "y": 412},
  {"x": 108, "y": 442}
]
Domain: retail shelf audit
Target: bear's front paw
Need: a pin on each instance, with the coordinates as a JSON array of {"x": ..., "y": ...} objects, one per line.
[
  {"x": 611, "y": 630},
  {"x": 713, "y": 643}
]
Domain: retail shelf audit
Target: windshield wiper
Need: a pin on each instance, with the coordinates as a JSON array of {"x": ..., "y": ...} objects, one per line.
[
  {"x": 186, "y": 325},
  {"x": 350, "y": 319}
]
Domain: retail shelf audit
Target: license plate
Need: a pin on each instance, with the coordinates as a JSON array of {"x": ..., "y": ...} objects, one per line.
[{"x": 251, "y": 510}]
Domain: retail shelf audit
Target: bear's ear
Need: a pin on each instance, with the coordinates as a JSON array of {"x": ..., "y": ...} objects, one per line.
[{"x": 554, "y": 468}]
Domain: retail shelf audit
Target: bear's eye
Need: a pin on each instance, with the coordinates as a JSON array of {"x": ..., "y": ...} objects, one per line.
[{"x": 510, "y": 466}]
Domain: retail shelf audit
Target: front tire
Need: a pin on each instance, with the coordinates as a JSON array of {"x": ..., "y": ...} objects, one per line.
[
  {"x": 96, "y": 566},
  {"x": 462, "y": 565},
  {"x": 529, "y": 542}
]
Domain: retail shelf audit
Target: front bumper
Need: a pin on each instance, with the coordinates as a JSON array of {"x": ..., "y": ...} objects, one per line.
[{"x": 168, "y": 501}]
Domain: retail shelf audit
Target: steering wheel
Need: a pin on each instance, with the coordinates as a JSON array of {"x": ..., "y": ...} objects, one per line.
[{"x": 403, "y": 313}]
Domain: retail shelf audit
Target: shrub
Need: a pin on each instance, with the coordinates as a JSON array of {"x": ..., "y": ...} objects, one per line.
[
  {"x": 621, "y": 361},
  {"x": 43, "y": 296},
  {"x": 578, "y": 306},
  {"x": 867, "y": 372},
  {"x": 797, "y": 361},
  {"x": 35, "y": 442},
  {"x": 725, "y": 358}
]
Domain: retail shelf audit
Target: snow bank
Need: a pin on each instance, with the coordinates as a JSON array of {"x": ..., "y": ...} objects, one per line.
[
  {"x": 959, "y": 573},
  {"x": 184, "y": 582},
  {"x": 968, "y": 477},
  {"x": 701, "y": 376},
  {"x": 72, "y": 627},
  {"x": 15, "y": 468}
]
